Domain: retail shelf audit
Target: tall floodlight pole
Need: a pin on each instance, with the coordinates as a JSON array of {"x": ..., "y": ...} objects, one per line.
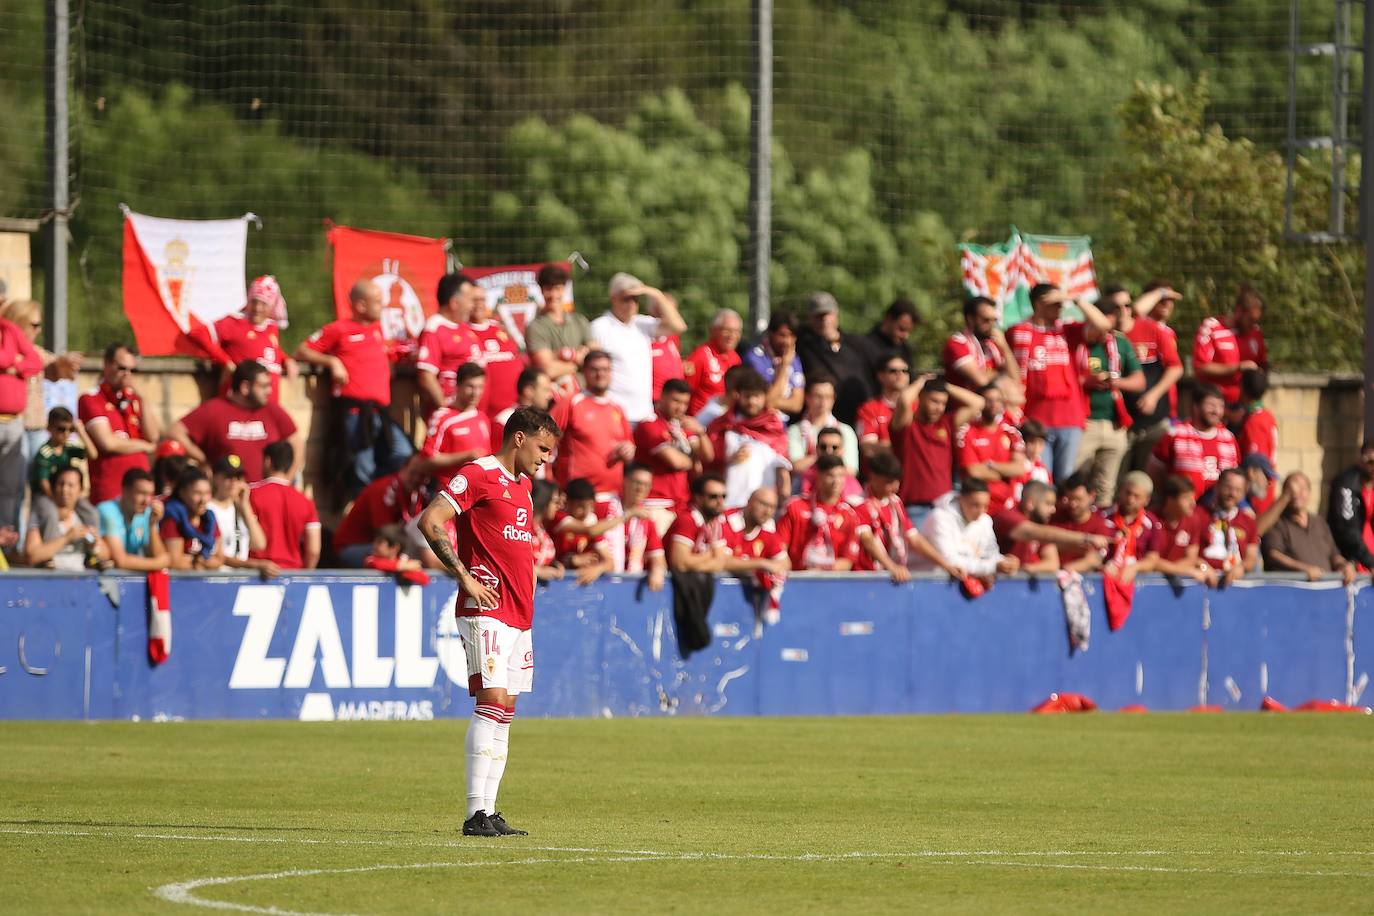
[
  {"x": 57, "y": 149},
  {"x": 1367, "y": 213},
  {"x": 761, "y": 165}
]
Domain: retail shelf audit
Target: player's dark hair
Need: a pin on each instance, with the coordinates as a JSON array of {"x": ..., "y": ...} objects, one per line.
[
  {"x": 750, "y": 382},
  {"x": 246, "y": 371},
  {"x": 1253, "y": 384},
  {"x": 133, "y": 476},
  {"x": 1175, "y": 485},
  {"x": 1033, "y": 429},
  {"x": 470, "y": 371},
  {"x": 1205, "y": 391},
  {"x": 530, "y": 420},
  {"x": 902, "y": 307},
  {"x": 281, "y": 454},
  {"x": 1040, "y": 291},
  {"x": 971, "y": 305},
  {"x": 699, "y": 484},
  {"x": 1111, "y": 290},
  {"x": 528, "y": 378},
  {"x": 733, "y": 375},
  {"x": 551, "y": 275},
  {"x": 167, "y": 470},
  {"x": 580, "y": 488},
  {"x": 542, "y": 494},
  {"x": 676, "y": 386},
  {"x": 389, "y": 534},
  {"x": 820, "y": 378},
  {"x": 59, "y": 415},
  {"x": 828, "y": 463},
  {"x": 971, "y": 485},
  {"x": 885, "y": 464},
  {"x": 1075, "y": 482}
]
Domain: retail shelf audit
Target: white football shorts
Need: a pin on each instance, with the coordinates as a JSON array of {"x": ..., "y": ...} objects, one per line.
[{"x": 498, "y": 654}]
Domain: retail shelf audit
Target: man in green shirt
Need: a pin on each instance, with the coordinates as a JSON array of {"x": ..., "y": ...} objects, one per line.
[
  {"x": 1112, "y": 367},
  {"x": 558, "y": 338},
  {"x": 57, "y": 453}
]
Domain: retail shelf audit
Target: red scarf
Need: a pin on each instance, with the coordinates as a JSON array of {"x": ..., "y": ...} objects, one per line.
[
  {"x": 767, "y": 428},
  {"x": 892, "y": 529},
  {"x": 819, "y": 552},
  {"x": 1109, "y": 346},
  {"x": 130, "y": 408},
  {"x": 1120, "y": 594}
]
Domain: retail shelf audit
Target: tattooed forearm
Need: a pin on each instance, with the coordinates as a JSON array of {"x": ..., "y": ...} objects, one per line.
[{"x": 437, "y": 537}]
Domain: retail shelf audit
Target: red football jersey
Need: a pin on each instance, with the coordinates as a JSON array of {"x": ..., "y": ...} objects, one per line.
[
  {"x": 242, "y": 340},
  {"x": 503, "y": 361},
  {"x": 888, "y": 520},
  {"x": 444, "y": 346},
  {"x": 927, "y": 453},
  {"x": 1217, "y": 342},
  {"x": 496, "y": 540},
  {"x": 1260, "y": 433},
  {"x": 362, "y": 349},
  {"x": 383, "y": 502},
  {"x": 1199, "y": 456},
  {"x": 762, "y": 542},
  {"x": 567, "y": 543},
  {"x": 1054, "y": 392},
  {"x": 999, "y": 441},
  {"x": 1095, "y": 524},
  {"x": 667, "y": 361},
  {"x": 652, "y": 437},
  {"x": 123, "y": 411},
  {"x": 220, "y": 427},
  {"x": 964, "y": 351},
  {"x": 452, "y": 432},
  {"x": 592, "y": 426},
  {"x": 633, "y": 544},
  {"x": 817, "y": 535},
  {"x": 1171, "y": 541},
  {"x": 284, "y": 513},
  {"x": 873, "y": 421},
  {"x": 692, "y": 529},
  {"x": 705, "y": 370},
  {"x": 1003, "y": 524},
  {"x": 1227, "y": 537}
]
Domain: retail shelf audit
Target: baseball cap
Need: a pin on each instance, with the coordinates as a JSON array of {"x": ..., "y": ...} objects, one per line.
[
  {"x": 230, "y": 466},
  {"x": 821, "y": 302},
  {"x": 1257, "y": 460},
  {"x": 169, "y": 447},
  {"x": 622, "y": 282}
]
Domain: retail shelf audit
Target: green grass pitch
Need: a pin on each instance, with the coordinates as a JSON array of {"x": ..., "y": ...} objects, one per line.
[{"x": 1108, "y": 813}]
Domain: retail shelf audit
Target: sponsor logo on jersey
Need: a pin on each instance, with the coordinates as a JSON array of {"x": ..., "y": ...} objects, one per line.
[{"x": 512, "y": 533}]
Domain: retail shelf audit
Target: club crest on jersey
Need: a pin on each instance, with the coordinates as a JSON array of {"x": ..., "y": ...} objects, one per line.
[{"x": 460, "y": 484}]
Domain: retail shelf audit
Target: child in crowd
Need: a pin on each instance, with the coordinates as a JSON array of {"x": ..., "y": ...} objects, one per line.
[
  {"x": 576, "y": 546},
  {"x": 387, "y": 556},
  {"x": 57, "y": 453},
  {"x": 1033, "y": 433}
]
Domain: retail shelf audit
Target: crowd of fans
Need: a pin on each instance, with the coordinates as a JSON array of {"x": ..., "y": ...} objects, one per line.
[{"x": 1055, "y": 445}]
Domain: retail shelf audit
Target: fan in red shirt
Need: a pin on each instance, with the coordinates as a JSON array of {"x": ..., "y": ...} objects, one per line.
[
  {"x": 758, "y": 552},
  {"x": 596, "y": 435},
  {"x": 534, "y": 389},
  {"x": 705, "y": 369},
  {"x": 1200, "y": 450},
  {"x": 253, "y": 334},
  {"x": 1078, "y": 513},
  {"x": 241, "y": 423},
  {"x": 991, "y": 450},
  {"x": 489, "y": 501},
  {"x": 1226, "y": 347},
  {"x": 287, "y": 517},
  {"x": 460, "y": 432},
  {"x": 124, "y": 436},
  {"x": 873, "y": 420},
  {"x": 698, "y": 539},
  {"x": 923, "y": 430},
  {"x": 670, "y": 444},
  {"x": 1025, "y": 532},
  {"x": 579, "y": 537},
  {"x": 979, "y": 354},
  {"x": 1156, "y": 349},
  {"x": 1046, "y": 350},
  {"x": 1231, "y": 542},
  {"x": 666, "y": 354},
  {"x": 633, "y": 538},
  {"x": 823, "y": 532},
  {"x": 1173, "y": 548},
  {"x": 501, "y": 357},
  {"x": 881, "y": 509},
  {"x": 1133, "y": 526},
  {"x": 1259, "y": 431},
  {"x": 391, "y": 500},
  {"x": 447, "y": 342}
]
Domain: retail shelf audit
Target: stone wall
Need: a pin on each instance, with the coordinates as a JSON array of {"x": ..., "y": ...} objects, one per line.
[{"x": 1319, "y": 416}]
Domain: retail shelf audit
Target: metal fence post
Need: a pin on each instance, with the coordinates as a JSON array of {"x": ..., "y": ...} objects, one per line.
[
  {"x": 56, "y": 141},
  {"x": 760, "y": 165}
]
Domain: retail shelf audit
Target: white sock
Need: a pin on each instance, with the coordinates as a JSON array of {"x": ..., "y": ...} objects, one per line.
[
  {"x": 479, "y": 746},
  {"x": 500, "y": 744}
]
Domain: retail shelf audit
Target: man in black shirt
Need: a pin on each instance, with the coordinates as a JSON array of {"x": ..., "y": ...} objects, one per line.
[{"x": 825, "y": 349}]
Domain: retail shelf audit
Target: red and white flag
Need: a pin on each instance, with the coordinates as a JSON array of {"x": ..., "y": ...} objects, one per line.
[
  {"x": 513, "y": 294},
  {"x": 180, "y": 274},
  {"x": 407, "y": 268}
]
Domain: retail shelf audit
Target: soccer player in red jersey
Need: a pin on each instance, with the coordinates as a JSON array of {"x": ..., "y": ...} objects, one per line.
[
  {"x": 1078, "y": 513},
  {"x": 991, "y": 450},
  {"x": 923, "y": 427},
  {"x": 705, "y": 369},
  {"x": 1046, "y": 349},
  {"x": 501, "y": 357},
  {"x": 1173, "y": 547},
  {"x": 241, "y": 423},
  {"x": 873, "y": 421},
  {"x": 460, "y": 432},
  {"x": 447, "y": 342},
  {"x": 253, "y": 334},
  {"x": 288, "y": 518},
  {"x": 979, "y": 354},
  {"x": 596, "y": 435},
  {"x": 124, "y": 435},
  {"x": 1199, "y": 450},
  {"x": 1231, "y": 541},
  {"x": 1226, "y": 347},
  {"x": 494, "y": 564}
]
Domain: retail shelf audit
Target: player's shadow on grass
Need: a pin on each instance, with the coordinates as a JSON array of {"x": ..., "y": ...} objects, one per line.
[{"x": 133, "y": 825}]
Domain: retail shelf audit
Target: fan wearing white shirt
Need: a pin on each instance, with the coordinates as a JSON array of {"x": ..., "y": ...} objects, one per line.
[
  {"x": 960, "y": 528},
  {"x": 626, "y": 335}
]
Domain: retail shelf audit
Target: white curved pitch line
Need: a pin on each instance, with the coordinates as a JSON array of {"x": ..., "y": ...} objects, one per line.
[{"x": 182, "y": 892}]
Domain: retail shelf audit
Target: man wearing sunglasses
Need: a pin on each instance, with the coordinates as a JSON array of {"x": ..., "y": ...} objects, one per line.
[{"x": 123, "y": 434}]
